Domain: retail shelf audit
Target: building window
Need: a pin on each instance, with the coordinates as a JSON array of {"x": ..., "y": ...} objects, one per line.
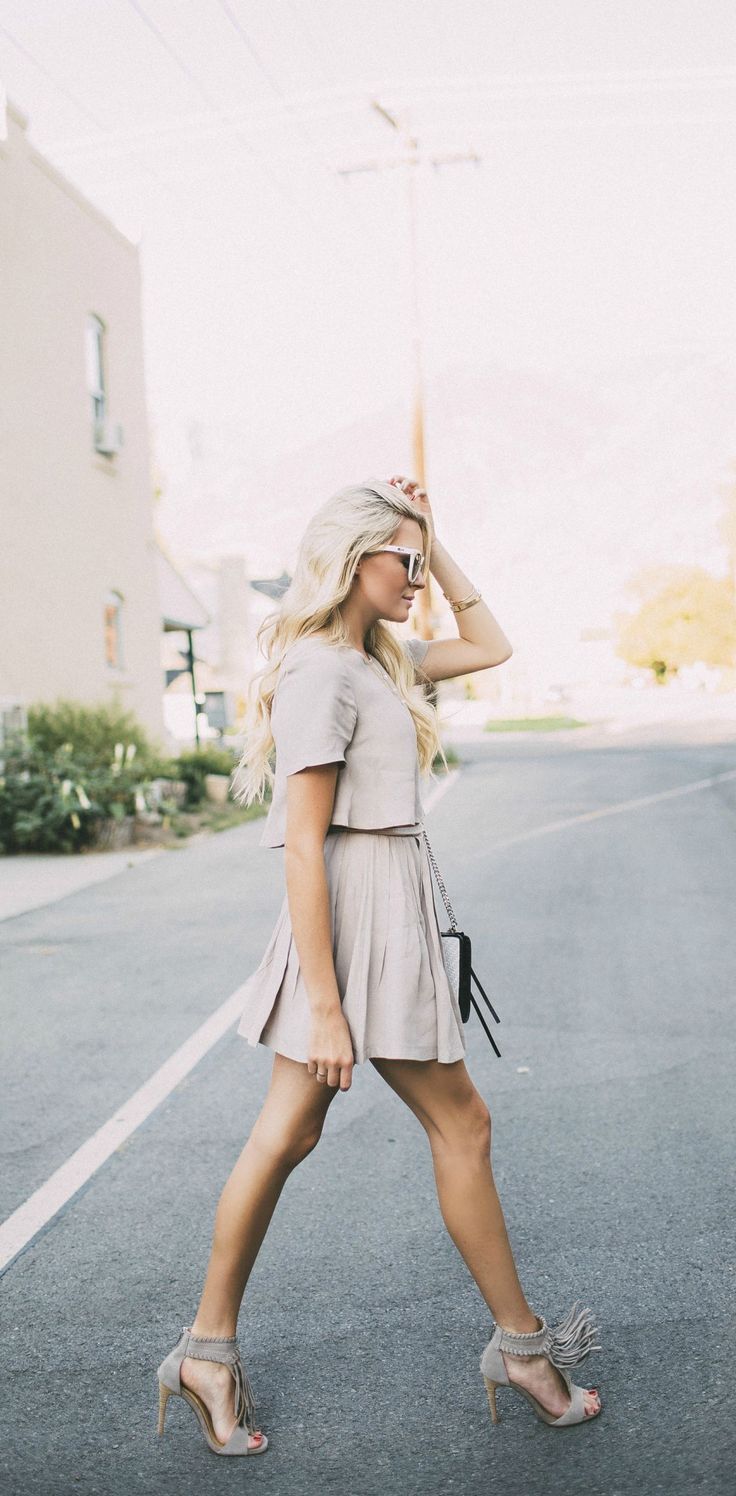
[
  {"x": 114, "y": 630},
  {"x": 95, "y": 337}
]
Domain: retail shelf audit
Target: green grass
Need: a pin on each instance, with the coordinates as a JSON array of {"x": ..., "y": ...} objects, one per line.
[{"x": 532, "y": 724}]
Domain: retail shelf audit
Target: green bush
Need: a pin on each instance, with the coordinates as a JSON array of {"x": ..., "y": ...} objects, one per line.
[
  {"x": 93, "y": 733},
  {"x": 78, "y": 766},
  {"x": 49, "y": 802},
  {"x": 195, "y": 763}
]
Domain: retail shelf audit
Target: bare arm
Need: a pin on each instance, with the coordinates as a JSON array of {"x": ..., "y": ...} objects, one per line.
[
  {"x": 310, "y": 796},
  {"x": 481, "y": 641}
]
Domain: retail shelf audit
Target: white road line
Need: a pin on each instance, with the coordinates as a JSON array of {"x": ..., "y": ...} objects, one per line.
[
  {"x": 24, "y": 1224},
  {"x": 606, "y": 810},
  {"x": 30, "y": 1218}
]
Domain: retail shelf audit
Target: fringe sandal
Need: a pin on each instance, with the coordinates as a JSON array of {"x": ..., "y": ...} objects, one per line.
[
  {"x": 223, "y": 1349},
  {"x": 565, "y": 1346}
]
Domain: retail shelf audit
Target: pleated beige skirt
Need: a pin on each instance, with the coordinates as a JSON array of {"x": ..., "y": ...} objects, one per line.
[{"x": 387, "y": 952}]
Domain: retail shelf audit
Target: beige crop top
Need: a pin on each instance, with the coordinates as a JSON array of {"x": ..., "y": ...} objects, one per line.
[{"x": 331, "y": 705}]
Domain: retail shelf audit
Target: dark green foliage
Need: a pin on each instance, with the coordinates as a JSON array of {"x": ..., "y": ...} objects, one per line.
[
  {"x": 78, "y": 767},
  {"x": 195, "y": 763},
  {"x": 50, "y": 802},
  {"x": 92, "y": 732}
]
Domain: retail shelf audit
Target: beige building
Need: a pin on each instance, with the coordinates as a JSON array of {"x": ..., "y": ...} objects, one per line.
[{"x": 79, "y": 608}]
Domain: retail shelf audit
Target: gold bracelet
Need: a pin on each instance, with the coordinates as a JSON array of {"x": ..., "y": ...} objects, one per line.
[{"x": 475, "y": 597}]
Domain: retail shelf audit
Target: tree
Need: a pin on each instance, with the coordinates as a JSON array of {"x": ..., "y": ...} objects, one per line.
[
  {"x": 727, "y": 530},
  {"x": 685, "y": 617}
]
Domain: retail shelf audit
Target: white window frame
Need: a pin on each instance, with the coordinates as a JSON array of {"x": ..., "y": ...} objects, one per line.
[{"x": 95, "y": 364}]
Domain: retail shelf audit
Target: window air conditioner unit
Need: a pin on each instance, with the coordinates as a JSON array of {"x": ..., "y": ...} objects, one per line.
[{"x": 108, "y": 438}]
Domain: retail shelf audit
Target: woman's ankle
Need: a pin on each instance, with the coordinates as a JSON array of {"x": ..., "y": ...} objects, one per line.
[
  {"x": 525, "y": 1324},
  {"x": 206, "y": 1330}
]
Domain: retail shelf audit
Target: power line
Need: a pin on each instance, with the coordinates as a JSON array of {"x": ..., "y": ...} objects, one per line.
[
  {"x": 150, "y": 172},
  {"x": 507, "y": 88},
  {"x": 537, "y": 83},
  {"x": 169, "y": 50},
  {"x": 275, "y": 85},
  {"x": 61, "y": 87},
  {"x": 248, "y": 44},
  {"x": 327, "y": 103},
  {"x": 66, "y": 92},
  {"x": 222, "y": 114}
]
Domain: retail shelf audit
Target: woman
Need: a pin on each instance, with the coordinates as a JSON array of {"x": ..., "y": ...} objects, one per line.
[{"x": 353, "y": 969}]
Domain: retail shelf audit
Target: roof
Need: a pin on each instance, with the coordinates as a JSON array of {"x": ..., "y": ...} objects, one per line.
[{"x": 180, "y": 607}]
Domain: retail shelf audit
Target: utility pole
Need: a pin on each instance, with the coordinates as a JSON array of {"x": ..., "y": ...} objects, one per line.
[
  {"x": 410, "y": 157},
  {"x": 195, "y": 696}
]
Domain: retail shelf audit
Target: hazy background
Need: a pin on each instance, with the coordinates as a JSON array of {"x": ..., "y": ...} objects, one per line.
[{"x": 577, "y": 285}]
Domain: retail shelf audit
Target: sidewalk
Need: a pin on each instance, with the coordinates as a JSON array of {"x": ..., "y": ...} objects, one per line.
[
  {"x": 30, "y": 881},
  {"x": 609, "y": 712}
]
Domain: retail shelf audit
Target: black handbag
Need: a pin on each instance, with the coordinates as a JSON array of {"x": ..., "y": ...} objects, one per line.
[{"x": 456, "y": 953}]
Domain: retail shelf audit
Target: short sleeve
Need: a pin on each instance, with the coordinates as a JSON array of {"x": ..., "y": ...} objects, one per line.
[
  {"x": 314, "y": 710},
  {"x": 416, "y": 649}
]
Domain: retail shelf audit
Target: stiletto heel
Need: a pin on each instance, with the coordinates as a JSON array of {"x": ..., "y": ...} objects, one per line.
[
  {"x": 164, "y": 1393},
  {"x": 225, "y": 1350},
  {"x": 564, "y": 1346},
  {"x": 491, "y": 1390}
]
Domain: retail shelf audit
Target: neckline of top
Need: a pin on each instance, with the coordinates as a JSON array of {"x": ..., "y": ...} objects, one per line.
[{"x": 367, "y": 659}]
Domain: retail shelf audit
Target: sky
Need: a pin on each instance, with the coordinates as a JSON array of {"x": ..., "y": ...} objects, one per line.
[{"x": 586, "y": 247}]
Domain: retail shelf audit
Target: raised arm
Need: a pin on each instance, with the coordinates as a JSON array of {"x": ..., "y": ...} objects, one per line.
[{"x": 481, "y": 641}]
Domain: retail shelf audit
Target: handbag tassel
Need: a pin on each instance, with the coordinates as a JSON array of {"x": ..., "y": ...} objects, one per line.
[
  {"x": 453, "y": 928},
  {"x": 480, "y": 1015}
]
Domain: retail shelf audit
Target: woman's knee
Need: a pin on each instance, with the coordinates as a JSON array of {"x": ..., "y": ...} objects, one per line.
[
  {"x": 482, "y": 1124},
  {"x": 444, "y": 1099},
  {"x": 287, "y": 1140},
  {"x": 467, "y": 1126},
  {"x": 289, "y": 1125},
  {"x": 301, "y": 1142}
]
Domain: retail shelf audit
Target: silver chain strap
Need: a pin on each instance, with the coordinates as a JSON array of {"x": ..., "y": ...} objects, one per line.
[{"x": 442, "y": 889}]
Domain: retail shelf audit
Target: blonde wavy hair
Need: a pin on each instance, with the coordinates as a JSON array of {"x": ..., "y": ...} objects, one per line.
[{"x": 355, "y": 520}]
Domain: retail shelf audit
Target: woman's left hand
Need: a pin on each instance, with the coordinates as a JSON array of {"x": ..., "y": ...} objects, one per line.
[{"x": 418, "y": 497}]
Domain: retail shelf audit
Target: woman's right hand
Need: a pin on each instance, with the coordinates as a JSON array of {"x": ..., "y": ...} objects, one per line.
[{"x": 331, "y": 1050}]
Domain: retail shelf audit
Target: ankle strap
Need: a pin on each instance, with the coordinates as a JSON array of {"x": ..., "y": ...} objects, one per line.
[
  {"x": 528, "y": 1343},
  {"x": 565, "y": 1345},
  {"x": 225, "y": 1348},
  {"x": 222, "y": 1348}
]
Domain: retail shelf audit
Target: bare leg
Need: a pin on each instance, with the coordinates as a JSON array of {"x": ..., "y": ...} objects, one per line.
[
  {"x": 458, "y": 1126},
  {"x": 287, "y": 1128}
]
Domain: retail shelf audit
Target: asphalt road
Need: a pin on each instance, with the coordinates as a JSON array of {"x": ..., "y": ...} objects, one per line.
[{"x": 609, "y": 947}]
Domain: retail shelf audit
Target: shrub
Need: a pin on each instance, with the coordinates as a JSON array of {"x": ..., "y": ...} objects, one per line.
[
  {"x": 195, "y": 763},
  {"x": 92, "y": 732},
  {"x": 49, "y": 802},
  {"x": 78, "y": 766}
]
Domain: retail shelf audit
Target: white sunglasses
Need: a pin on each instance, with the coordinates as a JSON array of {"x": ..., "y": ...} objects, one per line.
[{"x": 414, "y": 562}]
